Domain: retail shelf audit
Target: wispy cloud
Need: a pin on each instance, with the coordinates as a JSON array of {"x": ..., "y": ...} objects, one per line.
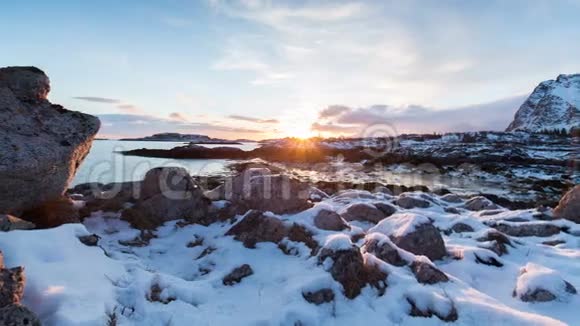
[
  {"x": 252, "y": 119},
  {"x": 133, "y": 125},
  {"x": 343, "y": 120},
  {"x": 97, "y": 99}
]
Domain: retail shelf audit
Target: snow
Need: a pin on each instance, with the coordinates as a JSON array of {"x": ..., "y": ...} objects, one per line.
[
  {"x": 69, "y": 283},
  {"x": 400, "y": 224},
  {"x": 533, "y": 276}
]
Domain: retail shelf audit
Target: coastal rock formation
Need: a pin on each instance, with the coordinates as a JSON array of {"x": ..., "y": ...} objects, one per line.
[
  {"x": 259, "y": 189},
  {"x": 569, "y": 205},
  {"x": 554, "y": 105},
  {"x": 12, "y": 282},
  {"x": 41, "y": 144},
  {"x": 167, "y": 194}
]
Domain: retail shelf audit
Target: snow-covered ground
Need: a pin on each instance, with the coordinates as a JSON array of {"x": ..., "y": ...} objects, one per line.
[{"x": 177, "y": 278}]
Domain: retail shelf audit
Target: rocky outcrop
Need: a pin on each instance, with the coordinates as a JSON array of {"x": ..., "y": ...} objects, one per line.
[
  {"x": 261, "y": 190},
  {"x": 10, "y": 223},
  {"x": 424, "y": 240},
  {"x": 237, "y": 274},
  {"x": 554, "y": 105},
  {"x": 12, "y": 282},
  {"x": 256, "y": 227},
  {"x": 351, "y": 270},
  {"x": 362, "y": 212},
  {"x": 42, "y": 144},
  {"x": 329, "y": 220},
  {"x": 168, "y": 193},
  {"x": 569, "y": 205}
]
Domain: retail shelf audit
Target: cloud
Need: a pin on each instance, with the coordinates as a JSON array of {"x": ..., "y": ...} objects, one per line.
[
  {"x": 97, "y": 99},
  {"x": 251, "y": 119},
  {"x": 494, "y": 115},
  {"x": 129, "y": 108},
  {"x": 178, "y": 116},
  {"x": 134, "y": 125},
  {"x": 333, "y": 111}
]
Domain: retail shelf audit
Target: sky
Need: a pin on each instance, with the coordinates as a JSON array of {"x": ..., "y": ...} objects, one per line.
[{"x": 262, "y": 69}]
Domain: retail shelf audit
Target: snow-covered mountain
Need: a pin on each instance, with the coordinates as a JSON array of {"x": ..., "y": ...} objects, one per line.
[{"x": 554, "y": 105}]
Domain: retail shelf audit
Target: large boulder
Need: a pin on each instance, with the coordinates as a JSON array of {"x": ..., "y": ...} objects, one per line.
[
  {"x": 479, "y": 203},
  {"x": 259, "y": 189},
  {"x": 256, "y": 227},
  {"x": 41, "y": 145},
  {"x": 569, "y": 205},
  {"x": 17, "y": 315},
  {"x": 381, "y": 246},
  {"x": 329, "y": 220},
  {"x": 362, "y": 212},
  {"x": 168, "y": 193}
]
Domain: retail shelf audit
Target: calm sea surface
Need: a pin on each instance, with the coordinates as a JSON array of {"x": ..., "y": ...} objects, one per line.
[{"x": 104, "y": 164}]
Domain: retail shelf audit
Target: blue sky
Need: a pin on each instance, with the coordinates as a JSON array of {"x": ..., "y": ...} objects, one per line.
[{"x": 257, "y": 69}]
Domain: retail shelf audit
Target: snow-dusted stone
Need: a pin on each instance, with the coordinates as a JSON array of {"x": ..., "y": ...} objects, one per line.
[
  {"x": 91, "y": 240},
  {"x": 17, "y": 315},
  {"x": 539, "y": 284},
  {"x": 408, "y": 202},
  {"x": 414, "y": 233},
  {"x": 426, "y": 273},
  {"x": 496, "y": 242},
  {"x": 381, "y": 246},
  {"x": 451, "y": 198},
  {"x": 461, "y": 227},
  {"x": 10, "y": 223},
  {"x": 569, "y": 205},
  {"x": 362, "y": 212},
  {"x": 11, "y": 285},
  {"x": 168, "y": 194},
  {"x": 53, "y": 213},
  {"x": 299, "y": 233},
  {"x": 237, "y": 274},
  {"x": 42, "y": 144},
  {"x": 527, "y": 229},
  {"x": 349, "y": 267},
  {"x": 419, "y": 308},
  {"x": 256, "y": 227},
  {"x": 479, "y": 203},
  {"x": 387, "y": 209},
  {"x": 329, "y": 220},
  {"x": 261, "y": 190},
  {"x": 319, "y": 297}
]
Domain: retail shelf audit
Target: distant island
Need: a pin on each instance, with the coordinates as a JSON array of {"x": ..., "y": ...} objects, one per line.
[{"x": 191, "y": 138}]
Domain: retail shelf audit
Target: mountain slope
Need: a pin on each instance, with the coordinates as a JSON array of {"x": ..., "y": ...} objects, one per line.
[{"x": 554, "y": 105}]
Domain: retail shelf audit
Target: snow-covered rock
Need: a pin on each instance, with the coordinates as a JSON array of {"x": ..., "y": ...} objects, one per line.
[{"x": 554, "y": 105}]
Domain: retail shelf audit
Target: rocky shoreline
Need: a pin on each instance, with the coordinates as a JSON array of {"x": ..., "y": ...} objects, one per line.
[{"x": 263, "y": 246}]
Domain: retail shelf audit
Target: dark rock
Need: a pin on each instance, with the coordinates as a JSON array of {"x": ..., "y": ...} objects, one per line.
[
  {"x": 362, "y": 212},
  {"x": 17, "y": 315},
  {"x": 488, "y": 260},
  {"x": 409, "y": 202},
  {"x": 479, "y": 203},
  {"x": 168, "y": 194},
  {"x": 10, "y": 223},
  {"x": 351, "y": 271},
  {"x": 385, "y": 251},
  {"x": 319, "y": 297},
  {"x": 543, "y": 295},
  {"x": 427, "y": 273},
  {"x": 52, "y": 213},
  {"x": 386, "y": 209},
  {"x": 91, "y": 240},
  {"x": 11, "y": 285},
  {"x": 329, "y": 220},
  {"x": 416, "y": 312},
  {"x": 498, "y": 242},
  {"x": 569, "y": 206},
  {"x": 238, "y": 274},
  {"x": 425, "y": 240},
  {"x": 155, "y": 294},
  {"x": 298, "y": 233},
  {"x": 553, "y": 242},
  {"x": 256, "y": 227},
  {"x": 34, "y": 166},
  {"x": 527, "y": 229},
  {"x": 258, "y": 189},
  {"x": 451, "y": 198},
  {"x": 451, "y": 210},
  {"x": 461, "y": 227}
]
